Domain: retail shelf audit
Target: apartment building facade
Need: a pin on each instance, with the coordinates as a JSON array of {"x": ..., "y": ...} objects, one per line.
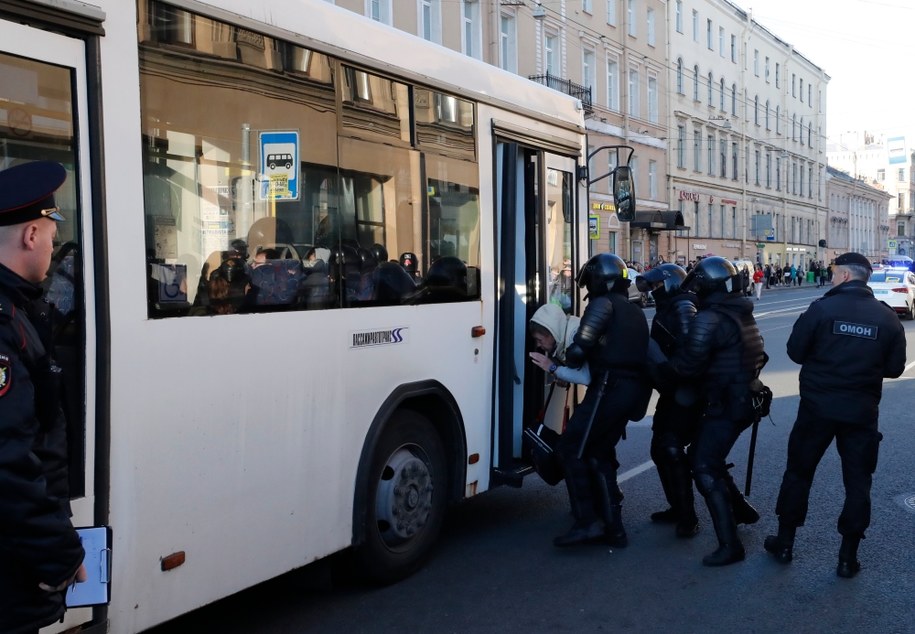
[
  {"x": 747, "y": 120},
  {"x": 858, "y": 217}
]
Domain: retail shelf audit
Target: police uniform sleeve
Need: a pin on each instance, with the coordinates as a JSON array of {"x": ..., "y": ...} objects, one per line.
[
  {"x": 693, "y": 357},
  {"x": 37, "y": 533},
  {"x": 685, "y": 313},
  {"x": 591, "y": 328},
  {"x": 894, "y": 364},
  {"x": 802, "y": 334}
]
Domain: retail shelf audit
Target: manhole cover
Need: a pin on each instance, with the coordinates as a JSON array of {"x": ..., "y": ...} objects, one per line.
[{"x": 908, "y": 502}]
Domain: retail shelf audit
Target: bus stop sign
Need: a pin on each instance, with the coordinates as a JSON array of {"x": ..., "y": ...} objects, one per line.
[{"x": 279, "y": 166}]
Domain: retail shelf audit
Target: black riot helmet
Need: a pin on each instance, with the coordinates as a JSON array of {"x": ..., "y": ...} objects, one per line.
[
  {"x": 662, "y": 281},
  {"x": 603, "y": 273},
  {"x": 711, "y": 275}
]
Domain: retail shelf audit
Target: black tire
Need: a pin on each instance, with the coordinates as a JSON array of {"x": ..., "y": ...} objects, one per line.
[
  {"x": 408, "y": 481},
  {"x": 910, "y": 312},
  {"x": 272, "y": 166}
]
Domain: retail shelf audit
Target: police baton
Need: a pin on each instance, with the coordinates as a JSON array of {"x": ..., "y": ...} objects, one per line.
[
  {"x": 750, "y": 457},
  {"x": 600, "y": 395}
]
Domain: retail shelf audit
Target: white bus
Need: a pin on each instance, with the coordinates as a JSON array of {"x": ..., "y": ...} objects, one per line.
[{"x": 292, "y": 289}]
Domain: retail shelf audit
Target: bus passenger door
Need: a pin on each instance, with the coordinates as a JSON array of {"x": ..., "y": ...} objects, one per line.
[
  {"x": 43, "y": 102},
  {"x": 534, "y": 215}
]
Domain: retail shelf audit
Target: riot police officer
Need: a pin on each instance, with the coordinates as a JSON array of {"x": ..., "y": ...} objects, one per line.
[
  {"x": 612, "y": 338},
  {"x": 723, "y": 349},
  {"x": 847, "y": 342},
  {"x": 679, "y": 407}
]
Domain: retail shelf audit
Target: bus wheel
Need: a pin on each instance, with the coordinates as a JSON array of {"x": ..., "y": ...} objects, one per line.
[{"x": 406, "y": 499}]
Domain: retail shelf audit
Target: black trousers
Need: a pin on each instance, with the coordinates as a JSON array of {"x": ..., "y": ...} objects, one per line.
[
  {"x": 621, "y": 396},
  {"x": 857, "y": 444},
  {"x": 674, "y": 425}
]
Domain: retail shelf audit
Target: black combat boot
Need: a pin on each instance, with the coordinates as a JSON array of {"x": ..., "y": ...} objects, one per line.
[
  {"x": 668, "y": 516},
  {"x": 730, "y": 550},
  {"x": 608, "y": 502},
  {"x": 588, "y": 528},
  {"x": 682, "y": 484},
  {"x": 782, "y": 545},
  {"x": 848, "y": 557},
  {"x": 744, "y": 513}
]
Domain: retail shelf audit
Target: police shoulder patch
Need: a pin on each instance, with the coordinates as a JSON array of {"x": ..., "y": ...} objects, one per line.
[
  {"x": 849, "y": 329},
  {"x": 5, "y": 374}
]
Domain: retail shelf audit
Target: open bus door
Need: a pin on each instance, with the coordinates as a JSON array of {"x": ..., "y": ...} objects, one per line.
[
  {"x": 44, "y": 102},
  {"x": 536, "y": 231}
]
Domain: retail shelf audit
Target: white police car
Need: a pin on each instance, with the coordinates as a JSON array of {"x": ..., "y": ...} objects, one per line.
[{"x": 895, "y": 287}]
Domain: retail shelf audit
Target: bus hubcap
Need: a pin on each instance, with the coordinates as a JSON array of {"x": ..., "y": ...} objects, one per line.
[{"x": 404, "y": 497}]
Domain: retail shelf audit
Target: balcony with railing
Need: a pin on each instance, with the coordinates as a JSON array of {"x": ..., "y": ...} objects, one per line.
[{"x": 568, "y": 87}]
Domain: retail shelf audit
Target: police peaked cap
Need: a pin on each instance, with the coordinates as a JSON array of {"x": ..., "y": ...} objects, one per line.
[
  {"x": 855, "y": 259},
  {"x": 27, "y": 192}
]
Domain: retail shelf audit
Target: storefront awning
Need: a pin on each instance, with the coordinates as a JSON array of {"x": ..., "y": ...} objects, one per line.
[{"x": 658, "y": 221}]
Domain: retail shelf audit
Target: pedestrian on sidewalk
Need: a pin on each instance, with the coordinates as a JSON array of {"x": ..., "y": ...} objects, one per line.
[{"x": 758, "y": 281}]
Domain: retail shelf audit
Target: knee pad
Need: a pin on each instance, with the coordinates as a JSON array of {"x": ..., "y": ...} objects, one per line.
[{"x": 705, "y": 482}]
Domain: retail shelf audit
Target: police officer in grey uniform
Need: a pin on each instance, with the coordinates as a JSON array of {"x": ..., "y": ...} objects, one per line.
[
  {"x": 847, "y": 342},
  {"x": 40, "y": 552}
]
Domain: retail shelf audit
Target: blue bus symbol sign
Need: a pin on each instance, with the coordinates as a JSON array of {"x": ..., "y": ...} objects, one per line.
[{"x": 279, "y": 167}]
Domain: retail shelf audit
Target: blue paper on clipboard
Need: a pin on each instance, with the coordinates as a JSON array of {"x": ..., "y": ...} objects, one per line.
[{"x": 96, "y": 590}]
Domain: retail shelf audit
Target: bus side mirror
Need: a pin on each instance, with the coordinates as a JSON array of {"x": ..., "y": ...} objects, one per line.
[{"x": 624, "y": 193}]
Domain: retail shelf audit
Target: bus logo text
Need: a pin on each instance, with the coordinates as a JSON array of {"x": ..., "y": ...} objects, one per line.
[{"x": 379, "y": 337}]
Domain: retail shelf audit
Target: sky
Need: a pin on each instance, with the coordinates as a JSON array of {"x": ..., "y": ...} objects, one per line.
[{"x": 867, "y": 47}]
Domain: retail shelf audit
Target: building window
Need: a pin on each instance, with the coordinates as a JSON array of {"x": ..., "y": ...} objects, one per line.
[
  {"x": 767, "y": 115},
  {"x": 680, "y": 76},
  {"x": 472, "y": 34},
  {"x": 678, "y": 16},
  {"x": 650, "y": 24},
  {"x": 587, "y": 68},
  {"x": 734, "y": 48},
  {"x": 653, "y": 113},
  {"x": 653, "y": 179},
  {"x": 551, "y": 53},
  {"x": 768, "y": 170},
  {"x": 778, "y": 119},
  {"x": 430, "y": 20},
  {"x": 508, "y": 43},
  {"x": 900, "y": 175},
  {"x": 756, "y": 167},
  {"x": 778, "y": 174},
  {"x": 756, "y": 110},
  {"x": 793, "y": 85},
  {"x": 711, "y": 89},
  {"x": 721, "y": 41},
  {"x": 611, "y": 12},
  {"x": 634, "y": 105},
  {"x": 734, "y": 100},
  {"x": 631, "y": 26},
  {"x": 723, "y": 162},
  {"x": 881, "y": 174},
  {"x": 708, "y": 35},
  {"x": 810, "y": 95},
  {"x": 778, "y": 75},
  {"x": 721, "y": 95},
  {"x": 613, "y": 84},
  {"x": 711, "y": 155},
  {"x": 587, "y": 6},
  {"x": 734, "y": 170},
  {"x": 379, "y": 10},
  {"x": 710, "y": 211},
  {"x": 695, "y": 26},
  {"x": 695, "y": 83},
  {"x": 681, "y": 146},
  {"x": 900, "y": 202},
  {"x": 756, "y": 62},
  {"x": 697, "y": 149},
  {"x": 801, "y": 88}
]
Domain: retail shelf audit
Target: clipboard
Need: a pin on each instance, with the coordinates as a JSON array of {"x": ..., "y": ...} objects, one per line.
[{"x": 96, "y": 590}]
